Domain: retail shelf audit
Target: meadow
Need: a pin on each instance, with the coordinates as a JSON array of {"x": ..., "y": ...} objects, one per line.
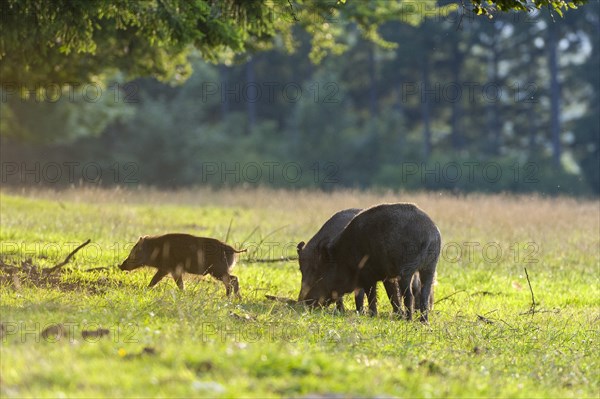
[{"x": 485, "y": 339}]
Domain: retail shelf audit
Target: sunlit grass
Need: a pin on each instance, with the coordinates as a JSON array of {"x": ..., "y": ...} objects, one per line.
[{"x": 162, "y": 342}]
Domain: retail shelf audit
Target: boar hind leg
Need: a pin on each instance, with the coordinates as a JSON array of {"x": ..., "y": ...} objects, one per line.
[
  {"x": 416, "y": 289},
  {"x": 178, "y": 277},
  {"x": 406, "y": 292},
  {"x": 393, "y": 293},
  {"x": 157, "y": 277},
  {"x": 339, "y": 305},
  {"x": 236, "y": 286},
  {"x": 231, "y": 284},
  {"x": 427, "y": 278}
]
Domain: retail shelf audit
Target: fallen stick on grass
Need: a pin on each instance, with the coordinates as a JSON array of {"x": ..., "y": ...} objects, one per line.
[
  {"x": 287, "y": 259},
  {"x": 281, "y": 299},
  {"x": 449, "y": 296},
  {"x": 96, "y": 269},
  {"x": 532, "y": 309},
  {"x": 68, "y": 258}
]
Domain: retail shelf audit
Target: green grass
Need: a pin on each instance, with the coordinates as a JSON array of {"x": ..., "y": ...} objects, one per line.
[{"x": 203, "y": 344}]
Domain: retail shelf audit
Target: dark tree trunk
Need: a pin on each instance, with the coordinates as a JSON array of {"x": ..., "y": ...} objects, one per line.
[
  {"x": 456, "y": 136},
  {"x": 531, "y": 128},
  {"x": 554, "y": 92},
  {"x": 251, "y": 96},
  {"x": 372, "y": 81},
  {"x": 493, "y": 118},
  {"x": 532, "y": 120},
  {"x": 224, "y": 82},
  {"x": 425, "y": 107},
  {"x": 372, "y": 145}
]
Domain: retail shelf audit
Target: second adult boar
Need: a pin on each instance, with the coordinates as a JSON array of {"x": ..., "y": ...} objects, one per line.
[
  {"x": 310, "y": 260},
  {"x": 389, "y": 241},
  {"x": 176, "y": 254}
]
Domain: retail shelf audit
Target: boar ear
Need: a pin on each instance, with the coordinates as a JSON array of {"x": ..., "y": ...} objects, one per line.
[
  {"x": 142, "y": 240},
  {"x": 300, "y": 246}
]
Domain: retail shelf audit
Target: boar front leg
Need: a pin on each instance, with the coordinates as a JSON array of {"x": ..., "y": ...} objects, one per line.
[
  {"x": 157, "y": 277},
  {"x": 372, "y": 298},
  {"x": 359, "y": 299}
]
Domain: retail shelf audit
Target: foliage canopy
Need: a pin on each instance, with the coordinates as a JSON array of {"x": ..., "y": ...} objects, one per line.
[{"x": 65, "y": 41}]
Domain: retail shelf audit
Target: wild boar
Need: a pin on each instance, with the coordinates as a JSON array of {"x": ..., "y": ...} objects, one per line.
[
  {"x": 308, "y": 253},
  {"x": 309, "y": 260},
  {"x": 385, "y": 242},
  {"x": 179, "y": 253}
]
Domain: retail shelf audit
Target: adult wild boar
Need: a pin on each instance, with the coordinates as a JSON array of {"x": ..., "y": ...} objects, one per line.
[
  {"x": 178, "y": 253},
  {"x": 308, "y": 253},
  {"x": 385, "y": 242},
  {"x": 310, "y": 262}
]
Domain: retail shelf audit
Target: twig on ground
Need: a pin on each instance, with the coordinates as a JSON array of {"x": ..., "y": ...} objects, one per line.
[
  {"x": 95, "y": 269},
  {"x": 68, "y": 258},
  {"x": 272, "y": 260},
  {"x": 532, "y": 309},
  {"x": 484, "y": 319},
  {"x": 448, "y": 296},
  {"x": 484, "y": 293},
  {"x": 289, "y": 301},
  {"x": 557, "y": 310}
]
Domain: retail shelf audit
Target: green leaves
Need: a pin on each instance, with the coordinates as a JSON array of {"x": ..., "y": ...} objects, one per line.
[
  {"x": 62, "y": 40},
  {"x": 491, "y": 6}
]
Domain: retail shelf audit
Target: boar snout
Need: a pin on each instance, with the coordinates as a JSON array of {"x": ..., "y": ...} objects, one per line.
[
  {"x": 127, "y": 265},
  {"x": 314, "y": 297},
  {"x": 313, "y": 303},
  {"x": 137, "y": 256},
  {"x": 304, "y": 290}
]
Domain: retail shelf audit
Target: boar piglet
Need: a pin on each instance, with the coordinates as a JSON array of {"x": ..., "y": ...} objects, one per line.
[
  {"x": 385, "y": 242},
  {"x": 178, "y": 253}
]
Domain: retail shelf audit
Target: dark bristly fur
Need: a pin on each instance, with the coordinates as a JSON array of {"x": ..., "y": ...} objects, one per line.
[
  {"x": 310, "y": 262},
  {"x": 385, "y": 242},
  {"x": 178, "y": 253}
]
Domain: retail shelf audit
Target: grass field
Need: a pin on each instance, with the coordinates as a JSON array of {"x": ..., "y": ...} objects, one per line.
[{"x": 481, "y": 341}]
